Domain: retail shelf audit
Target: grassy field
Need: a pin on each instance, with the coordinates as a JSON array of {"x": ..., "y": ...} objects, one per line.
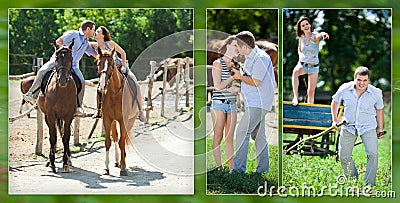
[
  {"x": 221, "y": 182},
  {"x": 320, "y": 172}
]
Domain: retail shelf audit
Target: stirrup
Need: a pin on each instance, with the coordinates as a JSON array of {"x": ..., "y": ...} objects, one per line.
[{"x": 97, "y": 115}]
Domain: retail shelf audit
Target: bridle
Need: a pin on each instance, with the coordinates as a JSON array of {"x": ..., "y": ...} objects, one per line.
[
  {"x": 108, "y": 72},
  {"x": 62, "y": 70}
]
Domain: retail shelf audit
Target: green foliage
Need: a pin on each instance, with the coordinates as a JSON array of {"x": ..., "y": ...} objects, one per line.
[
  {"x": 357, "y": 37},
  {"x": 221, "y": 182},
  {"x": 263, "y": 23},
  {"x": 32, "y": 31}
]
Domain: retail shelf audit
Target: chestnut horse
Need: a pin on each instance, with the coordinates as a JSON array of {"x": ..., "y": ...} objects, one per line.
[
  {"x": 118, "y": 105},
  {"x": 58, "y": 103}
]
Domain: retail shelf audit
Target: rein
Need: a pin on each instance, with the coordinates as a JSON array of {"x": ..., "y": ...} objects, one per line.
[
  {"x": 68, "y": 72},
  {"x": 108, "y": 77}
]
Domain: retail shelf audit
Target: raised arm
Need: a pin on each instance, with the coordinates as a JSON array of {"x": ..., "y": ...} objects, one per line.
[
  {"x": 322, "y": 35},
  {"x": 121, "y": 51}
]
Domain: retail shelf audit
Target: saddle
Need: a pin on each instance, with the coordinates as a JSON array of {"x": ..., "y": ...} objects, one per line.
[
  {"x": 131, "y": 85},
  {"x": 47, "y": 77}
]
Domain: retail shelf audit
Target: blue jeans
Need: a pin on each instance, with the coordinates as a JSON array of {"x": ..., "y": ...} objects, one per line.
[
  {"x": 346, "y": 144},
  {"x": 40, "y": 74},
  {"x": 45, "y": 68},
  {"x": 310, "y": 68},
  {"x": 226, "y": 107},
  {"x": 253, "y": 120}
]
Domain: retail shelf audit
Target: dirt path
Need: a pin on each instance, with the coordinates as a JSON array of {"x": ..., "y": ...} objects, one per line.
[{"x": 159, "y": 162}]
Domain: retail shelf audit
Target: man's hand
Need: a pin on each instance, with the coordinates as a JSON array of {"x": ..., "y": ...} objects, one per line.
[
  {"x": 381, "y": 134},
  {"x": 236, "y": 75},
  {"x": 334, "y": 124}
]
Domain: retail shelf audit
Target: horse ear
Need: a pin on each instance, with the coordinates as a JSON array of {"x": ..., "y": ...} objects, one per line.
[
  {"x": 55, "y": 45},
  {"x": 112, "y": 51},
  {"x": 72, "y": 44}
]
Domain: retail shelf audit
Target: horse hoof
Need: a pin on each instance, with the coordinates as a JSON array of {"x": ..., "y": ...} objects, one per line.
[
  {"x": 53, "y": 169},
  {"x": 123, "y": 173},
  {"x": 106, "y": 172},
  {"x": 116, "y": 165},
  {"x": 66, "y": 169}
]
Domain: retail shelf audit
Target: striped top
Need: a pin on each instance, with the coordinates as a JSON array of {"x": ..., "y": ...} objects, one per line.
[{"x": 224, "y": 93}]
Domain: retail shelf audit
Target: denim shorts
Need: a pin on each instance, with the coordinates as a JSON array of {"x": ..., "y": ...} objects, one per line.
[
  {"x": 310, "y": 68},
  {"x": 225, "y": 106}
]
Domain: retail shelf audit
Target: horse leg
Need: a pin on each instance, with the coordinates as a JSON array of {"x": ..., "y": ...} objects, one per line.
[
  {"x": 67, "y": 153},
  {"x": 122, "y": 143},
  {"x": 115, "y": 139},
  {"x": 22, "y": 105},
  {"x": 107, "y": 126},
  {"x": 53, "y": 140}
]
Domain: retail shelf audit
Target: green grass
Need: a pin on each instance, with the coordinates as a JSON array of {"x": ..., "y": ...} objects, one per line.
[
  {"x": 221, "y": 182},
  {"x": 320, "y": 172}
]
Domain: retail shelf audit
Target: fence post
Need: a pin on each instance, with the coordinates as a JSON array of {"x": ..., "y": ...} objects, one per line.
[
  {"x": 164, "y": 87},
  {"x": 177, "y": 82},
  {"x": 187, "y": 82},
  {"x": 77, "y": 124},
  {"x": 39, "y": 135},
  {"x": 150, "y": 90}
]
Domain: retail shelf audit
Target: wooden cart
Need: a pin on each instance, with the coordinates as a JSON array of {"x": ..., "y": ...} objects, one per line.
[{"x": 312, "y": 126}]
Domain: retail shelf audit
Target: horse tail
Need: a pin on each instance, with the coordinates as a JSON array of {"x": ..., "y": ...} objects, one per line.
[{"x": 128, "y": 140}]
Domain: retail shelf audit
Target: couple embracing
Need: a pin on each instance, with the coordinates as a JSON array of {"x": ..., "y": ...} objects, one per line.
[{"x": 257, "y": 88}]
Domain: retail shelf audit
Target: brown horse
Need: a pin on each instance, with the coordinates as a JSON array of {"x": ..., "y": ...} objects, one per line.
[
  {"x": 118, "y": 105},
  {"x": 59, "y": 104}
]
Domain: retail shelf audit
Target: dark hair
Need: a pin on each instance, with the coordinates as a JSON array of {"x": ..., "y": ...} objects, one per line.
[
  {"x": 362, "y": 70},
  {"x": 246, "y": 38},
  {"x": 228, "y": 40},
  {"x": 300, "y": 32},
  {"x": 87, "y": 24},
  {"x": 106, "y": 33}
]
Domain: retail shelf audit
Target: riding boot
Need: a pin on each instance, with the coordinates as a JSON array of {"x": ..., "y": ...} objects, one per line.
[{"x": 98, "y": 113}]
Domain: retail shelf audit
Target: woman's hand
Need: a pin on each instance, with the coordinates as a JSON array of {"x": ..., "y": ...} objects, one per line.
[
  {"x": 324, "y": 35},
  {"x": 123, "y": 69}
]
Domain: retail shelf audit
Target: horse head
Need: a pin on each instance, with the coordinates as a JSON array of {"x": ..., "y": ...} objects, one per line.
[
  {"x": 63, "y": 63},
  {"x": 105, "y": 67}
]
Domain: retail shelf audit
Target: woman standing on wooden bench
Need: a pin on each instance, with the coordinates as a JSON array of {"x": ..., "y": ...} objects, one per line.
[
  {"x": 223, "y": 102},
  {"x": 308, "y": 50}
]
